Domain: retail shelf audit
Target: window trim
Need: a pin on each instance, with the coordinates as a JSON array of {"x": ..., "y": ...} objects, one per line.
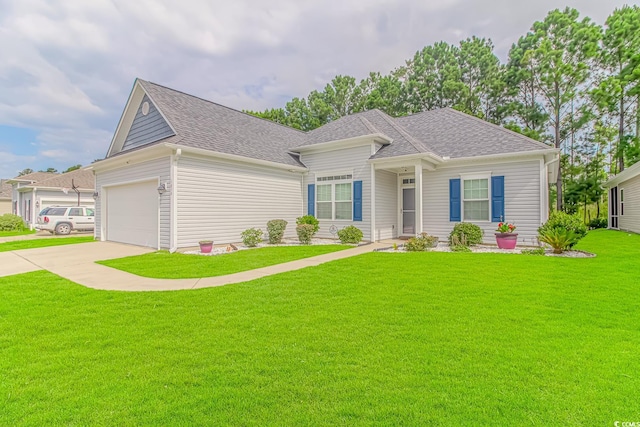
[
  {"x": 320, "y": 180},
  {"x": 475, "y": 176},
  {"x": 621, "y": 201}
]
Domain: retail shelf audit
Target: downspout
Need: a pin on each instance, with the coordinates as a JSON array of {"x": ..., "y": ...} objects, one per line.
[{"x": 173, "y": 244}]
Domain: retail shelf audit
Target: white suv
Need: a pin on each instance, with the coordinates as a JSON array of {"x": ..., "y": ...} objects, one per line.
[{"x": 63, "y": 219}]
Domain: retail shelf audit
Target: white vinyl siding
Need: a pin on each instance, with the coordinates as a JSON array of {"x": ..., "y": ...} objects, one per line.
[
  {"x": 630, "y": 221},
  {"x": 353, "y": 160},
  {"x": 522, "y": 198},
  {"x": 217, "y": 200},
  {"x": 386, "y": 205},
  {"x": 158, "y": 169}
]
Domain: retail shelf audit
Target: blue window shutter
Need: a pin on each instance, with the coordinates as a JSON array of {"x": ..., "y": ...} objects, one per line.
[
  {"x": 497, "y": 198},
  {"x": 357, "y": 200},
  {"x": 311, "y": 199},
  {"x": 454, "y": 200}
]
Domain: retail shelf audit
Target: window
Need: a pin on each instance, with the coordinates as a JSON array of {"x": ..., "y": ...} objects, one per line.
[
  {"x": 475, "y": 199},
  {"x": 334, "y": 197},
  {"x": 621, "y": 201},
  {"x": 75, "y": 212},
  {"x": 89, "y": 212},
  {"x": 406, "y": 181}
]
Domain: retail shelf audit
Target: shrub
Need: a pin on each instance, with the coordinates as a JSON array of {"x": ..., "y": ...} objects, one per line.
[
  {"x": 460, "y": 248},
  {"x": 598, "y": 223},
  {"x": 275, "y": 229},
  {"x": 311, "y": 220},
  {"x": 11, "y": 222},
  {"x": 305, "y": 233},
  {"x": 251, "y": 237},
  {"x": 559, "y": 239},
  {"x": 421, "y": 243},
  {"x": 465, "y": 234},
  {"x": 350, "y": 234},
  {"x": 536, "y": 251},
  {"x": 563, "y": 221}
]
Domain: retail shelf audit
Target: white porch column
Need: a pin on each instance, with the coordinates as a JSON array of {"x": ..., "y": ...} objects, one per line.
[
  {"x": 373, "y": 204},
  {"x": 418, "y": 195}
]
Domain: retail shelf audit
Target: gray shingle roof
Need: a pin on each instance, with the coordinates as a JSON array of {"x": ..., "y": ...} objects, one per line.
[
  {"x": 5, "y": 189},
  {"x": 81, "y": 178},
  {"x": 34, "y": 176},
  {"x": 447, "y": 133},
  {"x": 204, "y": 124},
  {"x": 454, "y": 134}
]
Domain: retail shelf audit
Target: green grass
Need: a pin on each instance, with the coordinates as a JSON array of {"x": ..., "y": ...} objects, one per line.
[
  {"x": 164, "y": 265},
  {"x": 42, "y": 243},
  {"x": 390, "y": 339},
  {"x": 16, "y": 233}
]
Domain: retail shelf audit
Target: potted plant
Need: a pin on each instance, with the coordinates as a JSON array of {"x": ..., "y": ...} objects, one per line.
[
  {"x": 505, "y": 237},
  {"x": 206, "y": 246}
]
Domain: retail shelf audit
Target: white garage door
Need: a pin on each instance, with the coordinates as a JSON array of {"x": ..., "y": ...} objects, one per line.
[{"x": 132, "y": 214}]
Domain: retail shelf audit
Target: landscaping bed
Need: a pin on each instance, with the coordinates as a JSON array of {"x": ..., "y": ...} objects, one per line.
[{"x": 444, "y": 247}]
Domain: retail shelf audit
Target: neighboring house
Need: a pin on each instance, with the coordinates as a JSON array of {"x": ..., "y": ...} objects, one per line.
[
  {"x": 624, "y": 199},
  {"x": 180, "y": 169},
  {"x": 33, "y": 192},
  {"x": 5, "y": 197}
]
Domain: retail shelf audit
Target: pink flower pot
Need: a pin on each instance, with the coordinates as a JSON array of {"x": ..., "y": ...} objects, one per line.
[
  {"x": 507, "y": 240},
  {"x": 205, "y": 248}
]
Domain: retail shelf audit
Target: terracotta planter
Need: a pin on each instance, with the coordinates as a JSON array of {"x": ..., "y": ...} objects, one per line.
[
  {"x": 507, "y": 240},
  {"x": 205, "y": 247}
]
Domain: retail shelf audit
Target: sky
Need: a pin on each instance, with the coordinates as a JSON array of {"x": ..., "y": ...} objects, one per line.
[{"x": 68, "y": 66}]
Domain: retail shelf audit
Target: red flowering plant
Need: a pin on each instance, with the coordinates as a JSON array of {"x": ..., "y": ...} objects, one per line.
[{"x": 505, "y": 227}]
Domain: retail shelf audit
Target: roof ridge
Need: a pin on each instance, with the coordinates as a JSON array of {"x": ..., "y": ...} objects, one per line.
[
  {"x": 510, "y": 132},
  {"x": 369, "y": 125},
  {"x": 223, "y": 106},
  {"x": 418, "y": 145}
]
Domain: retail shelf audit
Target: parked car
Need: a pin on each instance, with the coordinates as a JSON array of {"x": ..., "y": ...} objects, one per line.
[{"x": 64, "y": 219}]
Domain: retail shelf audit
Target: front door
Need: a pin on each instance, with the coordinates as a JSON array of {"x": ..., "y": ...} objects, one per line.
[
  {"x": 409, "y": 211},
  {"x": 613, "y": 207}
]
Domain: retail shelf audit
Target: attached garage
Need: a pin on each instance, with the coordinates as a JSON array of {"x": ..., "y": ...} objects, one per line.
[{"x": 132, "y": 213}]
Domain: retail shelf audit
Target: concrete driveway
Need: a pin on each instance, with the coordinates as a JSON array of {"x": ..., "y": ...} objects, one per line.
[{"x": 77, "y": 263}]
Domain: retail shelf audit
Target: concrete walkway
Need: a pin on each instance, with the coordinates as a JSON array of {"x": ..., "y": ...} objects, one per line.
[{"x": 77, "y": 264}]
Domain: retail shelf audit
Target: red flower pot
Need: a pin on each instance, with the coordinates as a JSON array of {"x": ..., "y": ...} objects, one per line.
[{"x": 507, "y": 240}]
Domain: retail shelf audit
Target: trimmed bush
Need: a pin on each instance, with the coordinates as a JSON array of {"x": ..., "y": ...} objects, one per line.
[
  {"x": 563, "y": 221},
  {"x": 465, "y": 234},
  {"x": 350, "y": 234},
  {"x": 311, "y": 220},
  {"x": 305, "y": 233},
  {"x": 11, "y": 222},
  {"x": 598, "y": 223},
  {"x": 275, "y": 230},
  {"x": 421, "y": 243},
  {"x": 251, "y": 237}
]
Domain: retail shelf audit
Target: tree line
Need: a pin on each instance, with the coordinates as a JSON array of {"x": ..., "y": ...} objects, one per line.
[{"x": 568, "y": 82}]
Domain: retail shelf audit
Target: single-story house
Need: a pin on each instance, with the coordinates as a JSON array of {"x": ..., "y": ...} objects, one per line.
[
  {"x": 182, "y": 169},
  {"x": 35, "y": 191},
  {"x": 5, "y": 197},
  {"x": 624, "y": 199}
]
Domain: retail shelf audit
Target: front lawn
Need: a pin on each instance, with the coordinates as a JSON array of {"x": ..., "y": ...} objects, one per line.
[
  {"x": 389, "y": 339},
  {"x": 16, "y": 233},
  {"x": 42, "y": 243},
  {"x": 164, "y": 265}
]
